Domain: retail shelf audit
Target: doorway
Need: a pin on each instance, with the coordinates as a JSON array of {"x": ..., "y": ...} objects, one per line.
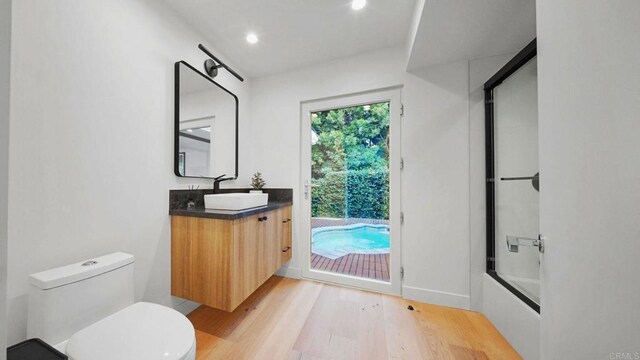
[{"x": 351, "y": 190}]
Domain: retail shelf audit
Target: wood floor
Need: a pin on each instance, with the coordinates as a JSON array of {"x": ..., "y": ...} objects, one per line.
[
  {"x": 373, "y": 266},
  {"x": 299, "y": 319}
]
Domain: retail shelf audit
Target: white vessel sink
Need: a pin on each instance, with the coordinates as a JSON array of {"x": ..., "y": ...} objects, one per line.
[{"x": 235, "y": 201}]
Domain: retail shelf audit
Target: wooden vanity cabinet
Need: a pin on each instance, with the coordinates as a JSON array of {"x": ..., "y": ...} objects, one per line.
[
  {"x": 220, "y": 263},
  {"x": 284, "y": 255}
]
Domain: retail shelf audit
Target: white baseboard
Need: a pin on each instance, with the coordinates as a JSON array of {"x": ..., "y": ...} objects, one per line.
[
  {"x": 436, "y": 297},
  {"x": 290, "y": 272},
  {"x": 186, "y": 307}
]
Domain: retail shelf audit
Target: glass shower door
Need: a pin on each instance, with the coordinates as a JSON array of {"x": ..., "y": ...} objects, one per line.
[{"x": 515, "y": 185}]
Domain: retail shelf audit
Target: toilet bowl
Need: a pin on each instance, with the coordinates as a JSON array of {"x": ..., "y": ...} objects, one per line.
[
  {"x": 140, "y": 331},
  {"x": 86, "y": 310}
]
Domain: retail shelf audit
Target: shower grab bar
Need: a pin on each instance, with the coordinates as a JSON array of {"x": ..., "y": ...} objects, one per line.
[
  {"x": 520, "y": 178},
  {"x": 514, "y": 243}
]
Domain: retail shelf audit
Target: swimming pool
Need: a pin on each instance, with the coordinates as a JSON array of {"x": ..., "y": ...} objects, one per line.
[{"x": 336, "y": 241}]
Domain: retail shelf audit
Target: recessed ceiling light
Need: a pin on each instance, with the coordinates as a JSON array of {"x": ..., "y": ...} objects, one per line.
[
  {"x": 358, "y": 4},
  {"x": 252, "y": 38}
]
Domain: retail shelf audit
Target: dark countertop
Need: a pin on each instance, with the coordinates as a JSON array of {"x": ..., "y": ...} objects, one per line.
[
  {"x": 178, "y": 200},
  {"x": 229, "y": 214}
]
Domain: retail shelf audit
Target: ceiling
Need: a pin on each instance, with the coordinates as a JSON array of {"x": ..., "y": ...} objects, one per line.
[
  {"x": 454, "y": 30},
  {"x": 295, "y": 33}
]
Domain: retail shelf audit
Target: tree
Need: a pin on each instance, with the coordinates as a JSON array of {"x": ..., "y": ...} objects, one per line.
[
  {"x": 354, "y": 138},
  {"x": 352, "y": 146}
]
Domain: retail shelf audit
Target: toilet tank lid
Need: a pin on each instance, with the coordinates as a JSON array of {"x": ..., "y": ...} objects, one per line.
[{"x": 68, "y": 274}]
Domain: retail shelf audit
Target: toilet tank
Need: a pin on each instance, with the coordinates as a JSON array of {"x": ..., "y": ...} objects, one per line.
[{"x": 67, "y": 299}]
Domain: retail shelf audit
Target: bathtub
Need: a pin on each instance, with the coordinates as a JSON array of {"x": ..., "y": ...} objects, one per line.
[{"x": 527, "y": 286}]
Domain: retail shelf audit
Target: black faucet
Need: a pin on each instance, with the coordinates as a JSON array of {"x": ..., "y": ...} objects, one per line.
[{"x": 218, "y": 180}]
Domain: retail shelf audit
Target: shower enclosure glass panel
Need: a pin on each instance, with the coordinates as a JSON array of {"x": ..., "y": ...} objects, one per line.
[
  {"x": 513, "y": 179},
  {"x": 517, "y": 258}
]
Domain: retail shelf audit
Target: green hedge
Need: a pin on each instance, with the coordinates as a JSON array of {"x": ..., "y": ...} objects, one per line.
[{"x": 351, "y": 194}]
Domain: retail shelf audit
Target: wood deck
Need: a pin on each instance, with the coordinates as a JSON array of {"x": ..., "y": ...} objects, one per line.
[{"x": 375, "y": 266}]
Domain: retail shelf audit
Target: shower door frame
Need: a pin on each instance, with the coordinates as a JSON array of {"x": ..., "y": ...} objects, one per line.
[{"x": 522, "y": 58}]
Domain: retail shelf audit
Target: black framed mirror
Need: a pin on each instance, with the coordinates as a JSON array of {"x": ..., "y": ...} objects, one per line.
[{"x": 206, "y": 126}]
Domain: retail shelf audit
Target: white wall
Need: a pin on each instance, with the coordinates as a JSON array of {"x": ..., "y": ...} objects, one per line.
[
  {"x": 5, "y": 55},
  {"x": 91, "y": 148},
  {"x": 589, "y": 106},
  {"x": 435, "y": 147},
  {"x": 480, "y": 70}
]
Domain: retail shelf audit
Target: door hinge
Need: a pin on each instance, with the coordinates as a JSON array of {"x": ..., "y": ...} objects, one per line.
[
  {"x": 401, "y": 163},
  {"x": 401, "y": 109},
  {"x": 401, "y": 217},
  {"x": 541, "y": 240},
  {"x": 401, "y": 272},
  {"x": 488, "y": 101},
  {"x": 491, "y": 180}
]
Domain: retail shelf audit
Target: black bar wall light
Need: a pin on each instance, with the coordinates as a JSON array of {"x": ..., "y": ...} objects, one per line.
[{"x": 212, "y": 65}]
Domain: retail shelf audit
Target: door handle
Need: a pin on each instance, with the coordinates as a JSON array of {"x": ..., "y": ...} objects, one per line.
[
  {"x": 514, "y": 243},
  {"x": 307, "y": 188}
]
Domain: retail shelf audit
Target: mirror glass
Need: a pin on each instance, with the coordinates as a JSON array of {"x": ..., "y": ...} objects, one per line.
[{"x": 206, "y": 126}]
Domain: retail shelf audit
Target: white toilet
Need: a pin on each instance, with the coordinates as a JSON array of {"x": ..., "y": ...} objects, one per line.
[{"x": 86, "y": 310}]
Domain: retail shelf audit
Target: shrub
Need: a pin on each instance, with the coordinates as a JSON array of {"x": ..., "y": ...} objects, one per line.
[{"x": 351, "y": 194}]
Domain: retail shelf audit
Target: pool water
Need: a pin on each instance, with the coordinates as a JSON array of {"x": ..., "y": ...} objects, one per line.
[{"x": 336, "y": 241}]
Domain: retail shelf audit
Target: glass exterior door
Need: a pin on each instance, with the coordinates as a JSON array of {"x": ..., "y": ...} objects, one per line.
[
  {"x": 350, "y": 204},
  {"x": 350, "y": 198}
]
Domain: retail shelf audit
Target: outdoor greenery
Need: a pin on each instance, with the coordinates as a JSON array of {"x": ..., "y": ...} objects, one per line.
[{"x": 350, "y": 162}]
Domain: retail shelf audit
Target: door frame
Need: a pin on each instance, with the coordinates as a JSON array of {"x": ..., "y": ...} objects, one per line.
[{"x": 393, "y": 95}]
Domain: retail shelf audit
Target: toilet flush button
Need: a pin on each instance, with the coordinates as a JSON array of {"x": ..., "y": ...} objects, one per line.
[{"x": 89, "y": 263}]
